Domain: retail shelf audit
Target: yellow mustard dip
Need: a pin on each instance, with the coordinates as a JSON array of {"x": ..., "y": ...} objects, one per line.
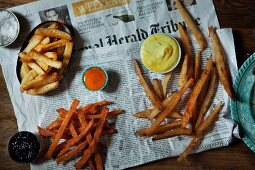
[{"x": 160, "y": 53}]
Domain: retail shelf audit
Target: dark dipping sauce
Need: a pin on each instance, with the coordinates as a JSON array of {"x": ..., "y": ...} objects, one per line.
[{"x": 24, "y": 147}]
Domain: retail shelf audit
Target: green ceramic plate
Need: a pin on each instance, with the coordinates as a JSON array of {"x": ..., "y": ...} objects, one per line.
[{"x": 243, "y": 109}]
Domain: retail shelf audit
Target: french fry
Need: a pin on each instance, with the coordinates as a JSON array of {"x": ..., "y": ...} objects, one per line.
[
  {"x": 195, "y": 92},
  {"x": 45, "y": 41},
  {"x": 53, "y": 45},
  {"x": 35, "y": 40},
  {"x": 24, "y": 70},
  {"x": 51, "y": 55},
  {"x": 168, "y": 109},
  {"x": 165, "y": 81},
  {"x": 51, "y": 32},
  {"x": 184, "y": 70},
  {"x": 44, "y": 89},
  {"x": 67, "y": 55},
  {"x": 42, "y": 58},
  {"x": 53, "y": 25},
  {"x": 187, "y": 50},
  {"x": 197, "y": 68},
  {"x": 62, "y": 128},
  {"x": 206, "y": 101},
  {"x": 35, "y": 67},
  {"x": 157, "y": 88},
  {"x": 55, "y": 124},
  {"x": 149, "y": 92},
  {"x": 41, "y": 80},
  {"x": 191, "y": 24},
  {"x": 60, "y": 52},
  {"x": 27, "y": 78},
  {"x": 174, "y": 132},
  {"x": 220, "y": 63}
]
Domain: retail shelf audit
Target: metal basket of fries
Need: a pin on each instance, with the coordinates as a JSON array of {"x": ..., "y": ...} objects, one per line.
[{"x": 44, "y": 58}]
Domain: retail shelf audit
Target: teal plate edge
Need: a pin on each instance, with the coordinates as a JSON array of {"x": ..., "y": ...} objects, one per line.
[{"x": 233, "y": 103}]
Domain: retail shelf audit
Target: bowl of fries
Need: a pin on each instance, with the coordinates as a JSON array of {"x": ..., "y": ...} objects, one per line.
[{"x": 44, "y": 58}]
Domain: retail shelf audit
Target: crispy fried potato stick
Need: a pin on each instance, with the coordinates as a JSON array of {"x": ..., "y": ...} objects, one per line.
[
  {"x": 205, "y": 104},
  {"x": 146, "y": 113},
  {"x": 51, "y": 32},
  {"x": 157, "y": 88},
  {"x": 209, "y": 120},
  {"x": 174, "y": 132},
  {"x": 44, "y": 89},
  {"x": 67, "y": 55},
  {"x": 201, "y": 130},
  {"x": 149, "y": 92},
  {"x": 220, "y": 63},
  {"x": 195, "y": 92},
  {"x": 168, "y": 109},
  {"x": 55, "y": 124},
  {"x": 184, "y": 71},
  {"x": 192, "y": 25},
  {"x": 165, "y": 81},
  {"x": 35, "y": 67},
  {"x": 45, "y": 41},
  {"x": 53, "y": 45},
  {"x": 163, "y": 128},
  {"x": 63, "y": 126},
  {"x": 197, "y": 69},
  {"x": 187, "y": 50}
]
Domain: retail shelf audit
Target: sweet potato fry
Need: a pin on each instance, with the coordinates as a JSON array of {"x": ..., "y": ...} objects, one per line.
[
  {"x": 220, "y": 63},
  {"x": 55, "y": 124},
  {"x": 149, "y": 92},
  {"x": 87, "y": 153},
  {"x": 115, "y": 112},
  {"x": 174, "y": 132},
  {"x": 168, "y": 109},
  {"x": 62, "y": 128},
  {"x": 206, "y": 101},
  {"x": 195, "y": 92},
  {"x": 156, "y": 86},
  {"x": 51, "y": 32},
  {"x": 191, "y": 24},
  {"x": 165, "y": 81}
]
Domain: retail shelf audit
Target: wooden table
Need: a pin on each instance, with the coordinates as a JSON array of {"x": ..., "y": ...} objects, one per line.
[{"x": 240, "y": 16}]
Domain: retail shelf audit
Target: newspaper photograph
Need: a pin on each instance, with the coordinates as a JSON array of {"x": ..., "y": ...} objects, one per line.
[{"x": 109, "y": 34}]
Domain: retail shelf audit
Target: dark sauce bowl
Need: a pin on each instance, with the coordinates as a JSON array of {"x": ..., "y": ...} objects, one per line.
[
  {"x": 23, "y": 147},
  {"x": 62, "y": 27}
]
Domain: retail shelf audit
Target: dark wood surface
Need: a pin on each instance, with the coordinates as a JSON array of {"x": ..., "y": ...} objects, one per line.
[{"x": 236, "y": 14}]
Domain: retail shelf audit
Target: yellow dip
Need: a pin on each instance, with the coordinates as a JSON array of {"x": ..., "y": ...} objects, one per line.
[{"x": 160, "y": 53}]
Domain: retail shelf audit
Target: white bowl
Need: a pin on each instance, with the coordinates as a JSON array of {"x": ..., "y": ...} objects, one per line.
[{"x": 178, "y": 59}]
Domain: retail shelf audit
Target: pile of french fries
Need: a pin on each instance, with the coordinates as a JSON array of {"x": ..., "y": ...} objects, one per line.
[
  {"x": 193, "y": 121},
  {"x": 45, "y": 59},
  {"x": 81, "y": 129}
]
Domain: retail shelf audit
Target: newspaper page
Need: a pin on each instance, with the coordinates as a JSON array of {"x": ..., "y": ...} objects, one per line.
[{"x": 109, "y": 34}]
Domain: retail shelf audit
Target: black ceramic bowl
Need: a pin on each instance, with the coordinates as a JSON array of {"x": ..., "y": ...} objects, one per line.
[
  {"x": 23, "y": 147},
  {"x": 62, "y": 27}
]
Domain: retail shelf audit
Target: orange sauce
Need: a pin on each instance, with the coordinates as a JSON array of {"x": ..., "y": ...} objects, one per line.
[{"x": 94, "y": 78}]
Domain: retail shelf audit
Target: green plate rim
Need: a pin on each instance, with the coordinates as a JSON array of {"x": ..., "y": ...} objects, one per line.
[{"x": 233, "y": 103}]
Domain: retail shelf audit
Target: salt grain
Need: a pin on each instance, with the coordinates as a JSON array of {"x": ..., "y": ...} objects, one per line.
[{"x": 9, "y": 28}]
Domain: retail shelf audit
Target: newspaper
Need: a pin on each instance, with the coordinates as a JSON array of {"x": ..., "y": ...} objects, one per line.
[{"x": 109, "y": 34}]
